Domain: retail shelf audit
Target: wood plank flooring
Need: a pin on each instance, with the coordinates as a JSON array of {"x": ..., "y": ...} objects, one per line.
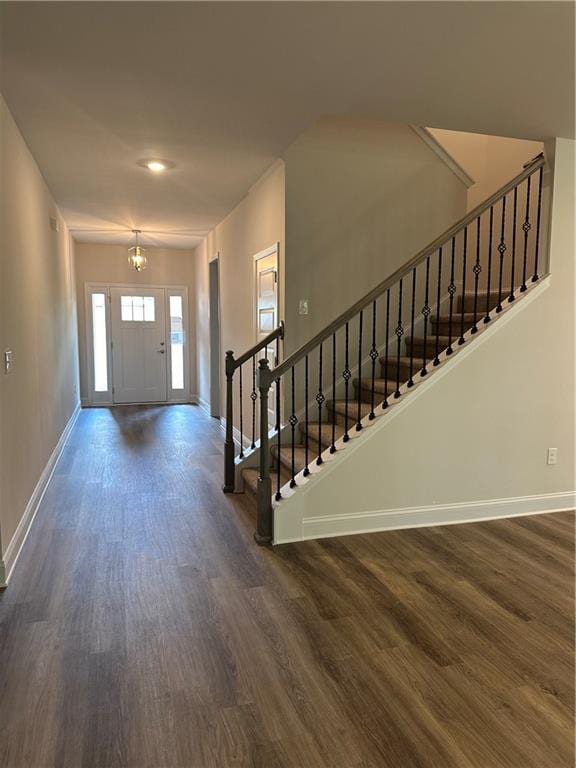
[{"x": 144, "y": 628}]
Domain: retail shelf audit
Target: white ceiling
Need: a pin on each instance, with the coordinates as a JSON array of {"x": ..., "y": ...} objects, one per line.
[{"x": 223, "y": 88}]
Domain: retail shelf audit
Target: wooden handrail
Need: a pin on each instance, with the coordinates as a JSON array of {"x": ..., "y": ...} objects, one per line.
[{"x": 335, "y": 325}]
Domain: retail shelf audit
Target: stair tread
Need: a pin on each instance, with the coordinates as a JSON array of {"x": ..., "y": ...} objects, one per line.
[
  {"x": 325, "y": 433},
  {"x": 340, "y": 407},
  {"x": 380, "y": 383},
  {"x": 250, "y": 477},
  {"x": 456, "y": 316},
  {"x": 403, "y": 360},
  {"x": 286, "y": 457}
]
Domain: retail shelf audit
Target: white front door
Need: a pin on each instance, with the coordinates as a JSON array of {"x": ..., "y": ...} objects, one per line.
[{"x": 139, "y": 351}]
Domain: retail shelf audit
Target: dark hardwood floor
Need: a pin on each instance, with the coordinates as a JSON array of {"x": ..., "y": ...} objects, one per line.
[{"x": 144, "y": 628}]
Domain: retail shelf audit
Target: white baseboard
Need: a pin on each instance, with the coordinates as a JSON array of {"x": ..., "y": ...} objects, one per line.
[
  {"x": 15, "y": 546},
  {"x": 204, "y": 404},
  {"x": 325, "y": 526}
]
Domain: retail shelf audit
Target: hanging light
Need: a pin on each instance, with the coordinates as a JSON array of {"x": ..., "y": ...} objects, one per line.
[{"x": 137, "y": 254}]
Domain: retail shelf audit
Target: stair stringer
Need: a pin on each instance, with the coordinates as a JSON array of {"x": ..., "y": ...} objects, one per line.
[{"x": 294, "y": 520}]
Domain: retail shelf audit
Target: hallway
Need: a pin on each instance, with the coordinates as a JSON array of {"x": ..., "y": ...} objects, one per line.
[{"x": 144, "y": 627}]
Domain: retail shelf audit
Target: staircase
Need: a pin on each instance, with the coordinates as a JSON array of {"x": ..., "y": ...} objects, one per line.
[
  {"x": 314, "y": 438},
  {"x": 374, "y": 353}
]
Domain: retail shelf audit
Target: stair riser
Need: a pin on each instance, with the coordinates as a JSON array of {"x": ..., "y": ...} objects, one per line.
[
  {"x": 352, "y": 416},
  {"x": 392, "y": 371},
  {"x": 443, "y": 328},
  {"x": 430, "y": 350},
  {"x": 481, "y": 304}
]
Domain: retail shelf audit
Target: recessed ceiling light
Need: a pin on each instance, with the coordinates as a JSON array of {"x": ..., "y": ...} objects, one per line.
[{"x": 155, "y": 165}]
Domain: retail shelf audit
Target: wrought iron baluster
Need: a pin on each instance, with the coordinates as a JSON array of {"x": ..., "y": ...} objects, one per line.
[
  {"x": 253, "y": 397},
  {"x": 306, "y": 418},
  {"x": 438, "y": 308},
  {"x": 477, "y": 269},
  {"x": 346, "y": 374},
  {"x": 278, "y": 440},
  {"x": 359, "y": 398},
  {"x": 333, "y": 443},
  {"x": 501, "y": 251},
  {"x": 373, "y": 358},
  {"x": 320, "y": 400},
  {"x": 386, "y": 356},
  {"x": 277, "y": 362},
  {"x": 411, "y": 378},
  {"x": 487, "y": 317},
  {"x": 511, "y": 296},
  {"x": 451, "y": 291},
  {"x": 426, "y": 314},
  {"x": 293, "y": 421},
  {"x": 526, "y": 227},
  {"x": 399, "y": 334},
  {"x": 536, "y": 276},
  {"x": 241, "y": 414},
  {"x": 463, "y": 298}
]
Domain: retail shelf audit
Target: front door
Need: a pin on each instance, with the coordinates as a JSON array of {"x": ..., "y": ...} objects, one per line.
[{"x": 139, "y": 345}]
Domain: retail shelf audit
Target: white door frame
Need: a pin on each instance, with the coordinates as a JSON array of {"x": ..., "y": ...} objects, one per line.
[
  {"x": 107, "y": 398},
  {"x": 272, "y": 250}
]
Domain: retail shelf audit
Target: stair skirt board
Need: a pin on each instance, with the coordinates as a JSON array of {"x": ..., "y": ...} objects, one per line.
[
  {"x": 326, "y": 526},
  {"x": 286, "y": 509}
]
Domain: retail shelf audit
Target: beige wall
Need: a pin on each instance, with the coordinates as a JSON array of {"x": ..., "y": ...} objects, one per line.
[
  {"x": 256, "y": 223},
  {"x": 362, "y": 197},
  {"x": 481, "y": 431},
  {"x": 96, "y": 263},
  {"x": 490, "y": 160},
  {"x": 37, "y": 321}
]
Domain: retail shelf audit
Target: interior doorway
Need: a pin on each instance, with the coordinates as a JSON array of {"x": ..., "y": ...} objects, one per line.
[
  {"x": 136, "y": 344},
  {"x": 215, "y": 350},
  {"x": 266, "y": 308}
]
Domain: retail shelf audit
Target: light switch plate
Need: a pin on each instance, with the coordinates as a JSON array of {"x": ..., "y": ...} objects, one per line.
[
  {"x": 303, "y": 307},
  {"x": 8, "y": 361}
]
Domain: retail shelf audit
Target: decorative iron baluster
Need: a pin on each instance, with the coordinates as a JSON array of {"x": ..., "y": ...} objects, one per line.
[
  {"x": 411, "y": 378},
  {"x": 426, "y": 314},
  {"x": 320, "y": 400},
  {"x": 451, "y": 291},
  {"x": 526, "y": 227},
  {"x": 277, "y": 362},
  {"x": 346, "y": 374},
  {"x": 359, "y": 398},
  {"x": 386, "y": 356},
  {"x": 306, "y": 418},
  {"x": 241, "y": 416},
  {"x": 253, "y": 397},
  {"x": 511, "y": 297},
  {"x": 477, "y": 269},
  {"x": 333, "y": 443},
  {"x": 399, "y": 334},
  {"x": 487, "y": 317},
  {"x": 436, "y": 360},
  {"x": 501, "y": 251},
  {"x": 278, "y": 440},
  {"x": 293, "y": 421},
  {"x": 463, "y": 298},
  {"x": 373, "y": 358},
  {"x": 536, "y": 276}
]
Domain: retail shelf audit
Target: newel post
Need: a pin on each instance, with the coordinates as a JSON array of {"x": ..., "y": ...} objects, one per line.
[
  {"x": 229, "y": 469},
  {"x": 264, "y": 520}
]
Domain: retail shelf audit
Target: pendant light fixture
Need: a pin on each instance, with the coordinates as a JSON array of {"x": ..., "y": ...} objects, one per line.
[{"x": 137, "y": 254}]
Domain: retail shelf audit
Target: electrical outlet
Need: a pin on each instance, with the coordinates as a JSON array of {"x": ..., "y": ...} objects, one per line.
[{"x": 552, "y": 456}]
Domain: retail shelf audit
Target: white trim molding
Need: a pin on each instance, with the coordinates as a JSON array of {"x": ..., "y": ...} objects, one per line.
[
  {"x": 432, "y": 142},
  {"x": 21, "y": 533},
  {"x": 422, "y": 517}
]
